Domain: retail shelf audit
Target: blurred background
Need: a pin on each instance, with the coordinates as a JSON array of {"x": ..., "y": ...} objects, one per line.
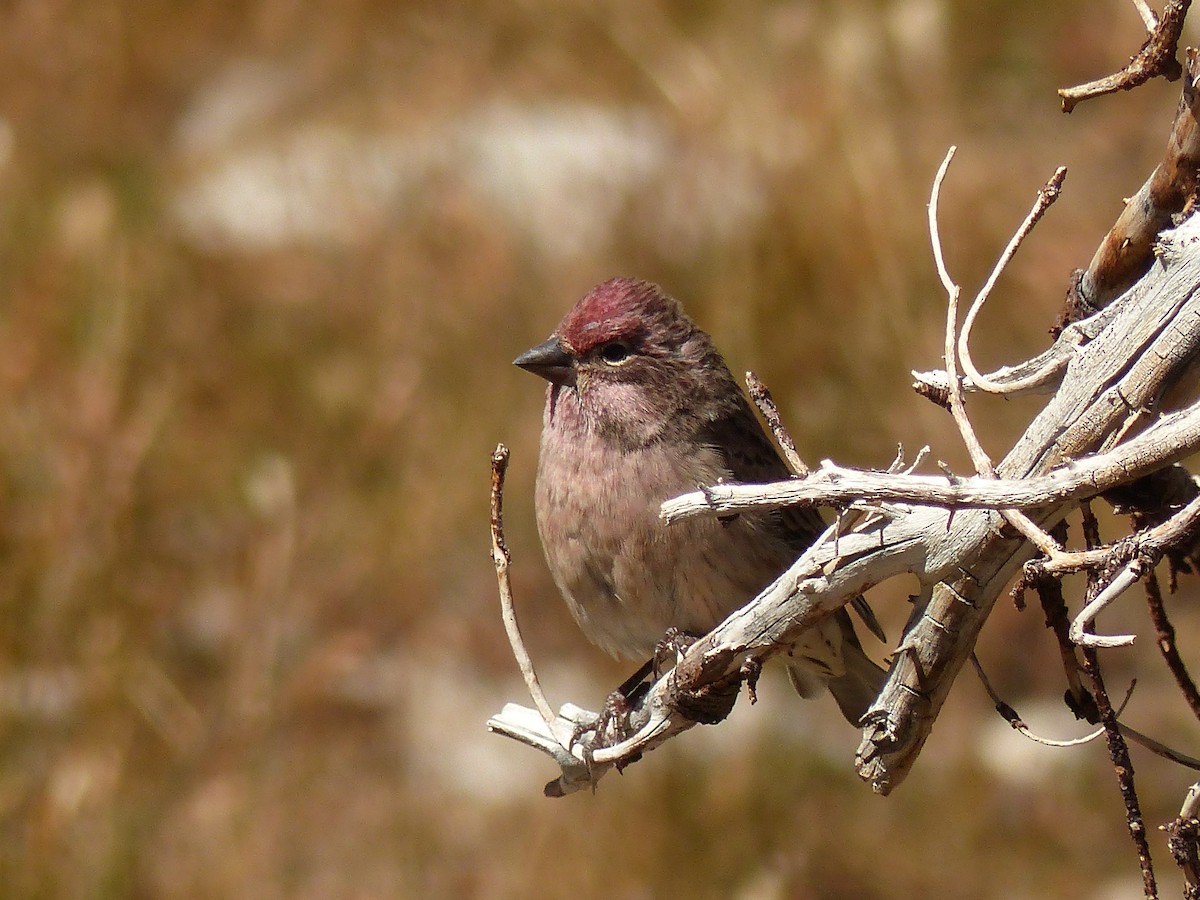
[{"x": 264, "y": 270}]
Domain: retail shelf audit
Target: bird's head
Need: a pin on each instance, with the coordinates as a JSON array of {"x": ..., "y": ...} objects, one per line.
[{"x": 636, "y": 364}]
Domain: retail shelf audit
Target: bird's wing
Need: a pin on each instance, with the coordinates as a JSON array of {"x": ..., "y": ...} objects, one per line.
[{"x": 751, "y": 458}]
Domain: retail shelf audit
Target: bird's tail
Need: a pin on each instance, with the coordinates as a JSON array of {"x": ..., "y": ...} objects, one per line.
[
  {"x": 857, "y": 689},
  {"x": 851, "y": 676}
]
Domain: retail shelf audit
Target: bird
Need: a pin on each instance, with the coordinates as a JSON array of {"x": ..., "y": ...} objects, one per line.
[{"x": 640, "y": 408}]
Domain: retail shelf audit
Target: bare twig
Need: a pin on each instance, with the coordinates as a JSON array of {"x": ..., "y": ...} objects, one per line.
[
  {"x": 1011, "y": 716},
  {"x": 979, "y": 457},
  {"x": 1157, "y": 57},
  {"x": 1081, "y": 628},
  {"x": 1014, "y": 719},
  {"x": 1118, "y": 751},
  {"x": 501, "y": 559},
  {"x": 982, "y": 462},
  {"x": 1040, "y": 375},
  {"x": 1123, "y": 766},
  {"x": 1158, "y": 748},
  {"x": 1170, "y": 439},
  {"x": 1045, "y": 198},
  {"x": 1050, "y": 597},
  {"x": 1165, "y": 634},
  {"x": 1149, "y": 19},
  {"x": 1127, "y": 251},
  {"x": 762, "y": 398},
  {"x": 1151, "y": 543}
]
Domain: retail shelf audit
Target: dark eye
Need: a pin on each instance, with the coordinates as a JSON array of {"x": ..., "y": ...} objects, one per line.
[{"x": 614, "y": 353}]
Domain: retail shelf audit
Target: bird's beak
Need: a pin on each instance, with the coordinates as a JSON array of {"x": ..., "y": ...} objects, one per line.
[{"x": 551, "y": 359}]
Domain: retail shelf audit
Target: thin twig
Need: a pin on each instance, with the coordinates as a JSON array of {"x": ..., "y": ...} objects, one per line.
[
  {"x": 1118, "y": 750},
  {"x": 1158, "y": 748},
  {"x": 1045, "y": 199},
  {"x": 1011, "y": 716},
  {"x": 1157, "y": 57},
  {"x": 501, "y": 559},
  {"x": 1165, "y": 633},
  {"x": 762, "y": 398},
  {"x": 979, "y": 457},
  {"x": 983, "y": 464},
  {"x": 1050, "y": 597},
  {"x": 1149, "y": 19},
  {"x": 948, "y": 284},
  {"x": 1081, "y": 632}
]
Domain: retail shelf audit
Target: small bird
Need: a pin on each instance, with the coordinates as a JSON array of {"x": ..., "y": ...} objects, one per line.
[{"x": 641, "y": 408}]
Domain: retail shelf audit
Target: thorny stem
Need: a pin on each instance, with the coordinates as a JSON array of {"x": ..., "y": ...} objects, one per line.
[
  {"x": 1165, "y": 638},
  {"x": 1118, "y": 750},
  {"x": 1050, "y": 596}
]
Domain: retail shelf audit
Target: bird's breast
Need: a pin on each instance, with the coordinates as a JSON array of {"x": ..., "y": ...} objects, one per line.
[{"x": 626, "y": 576}]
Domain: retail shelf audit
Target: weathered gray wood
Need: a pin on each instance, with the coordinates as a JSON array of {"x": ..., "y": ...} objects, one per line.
[{"x": 1110, "y": 387}]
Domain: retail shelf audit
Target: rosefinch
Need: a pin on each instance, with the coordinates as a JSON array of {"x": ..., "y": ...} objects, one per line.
[{"x": 641, "y": 408}]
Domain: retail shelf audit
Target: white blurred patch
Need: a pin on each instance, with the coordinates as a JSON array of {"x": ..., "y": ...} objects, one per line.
[
  {"x": 560, "y": 174},
  {"x": 8, "y": 142},
  {"x": 563, "y": 173},
  {"x": 43, "y": 694}
]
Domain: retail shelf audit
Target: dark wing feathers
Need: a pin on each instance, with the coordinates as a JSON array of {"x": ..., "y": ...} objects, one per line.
[{"x": 752, "y": 459}]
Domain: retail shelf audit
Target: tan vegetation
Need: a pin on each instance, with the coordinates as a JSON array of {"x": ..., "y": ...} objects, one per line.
[{"x": 264, "y": 268}]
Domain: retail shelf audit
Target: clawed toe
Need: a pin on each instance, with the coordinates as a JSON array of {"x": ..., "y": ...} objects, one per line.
[
  {"x": 670, "y": 647},
  {"x": 610, "y": 727}
]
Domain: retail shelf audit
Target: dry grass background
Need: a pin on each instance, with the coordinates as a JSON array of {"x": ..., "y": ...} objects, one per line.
[{"x": 264, "y": 267}]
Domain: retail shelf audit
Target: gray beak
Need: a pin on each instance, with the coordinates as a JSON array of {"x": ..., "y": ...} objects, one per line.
[{"x": 550, "y": 359}]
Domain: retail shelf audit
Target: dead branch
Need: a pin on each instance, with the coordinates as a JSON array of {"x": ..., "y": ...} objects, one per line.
[
  {"x": 1171, "y": 438},
  {"x": 1156, "y": 57},
  {"x": 1118, "y": 750},
  {"x": 1013, "y": 718},
  {"x": 1184, "y": 842},
  {"x": 762, "y": 398},
  {"x": 1045, "y": 198},
  {"x": 1094, "y": 406},
  {"x": 501, "y": 560},
  {"x": 1128, "y": 249},
  {"x": 1123, "y": 767},
  {"x": 1165, "y": 638},
  {"x": 1125, "y": 408},
  {"x": 1040, "y": 375}
]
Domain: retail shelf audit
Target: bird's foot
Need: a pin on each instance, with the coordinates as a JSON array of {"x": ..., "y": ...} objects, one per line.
[
  {"x": 612, "y": 725},
  {"x": 670, "y": 648}
]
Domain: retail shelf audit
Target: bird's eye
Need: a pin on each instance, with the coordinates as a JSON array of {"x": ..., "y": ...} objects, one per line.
[{"x": 614, "y": 353}]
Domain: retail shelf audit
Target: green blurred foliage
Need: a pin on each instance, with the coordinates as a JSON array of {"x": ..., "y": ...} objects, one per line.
[{"x": 251, "y": 632}]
